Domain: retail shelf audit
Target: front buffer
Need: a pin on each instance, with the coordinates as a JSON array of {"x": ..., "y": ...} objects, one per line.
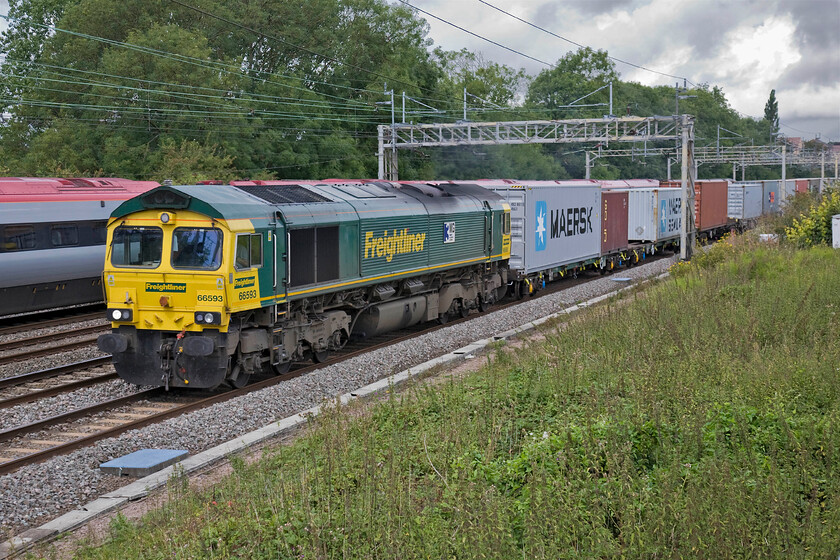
[{"x": 168, "y": 359}]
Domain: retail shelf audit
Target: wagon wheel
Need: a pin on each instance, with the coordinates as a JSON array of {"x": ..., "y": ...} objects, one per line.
[
  {"x": 443, "y": 318},
  {"x": 281, "y": 368},
  {"x": 320, "y": 357},
  {"x": 238, "y": 378}
]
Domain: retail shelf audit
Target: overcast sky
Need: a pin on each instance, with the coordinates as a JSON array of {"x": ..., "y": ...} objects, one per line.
[{"x": 746, "y": 47}]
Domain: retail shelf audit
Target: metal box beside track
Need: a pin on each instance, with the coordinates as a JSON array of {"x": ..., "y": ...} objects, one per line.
[
  {"x": 744, "y": 201},
  {"x": 553, "y": 223},
  {"x": 654, "y": 214}
]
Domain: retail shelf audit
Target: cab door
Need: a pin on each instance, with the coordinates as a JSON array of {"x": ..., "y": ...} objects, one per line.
[
  {"x": 489, "y": 230},
  {"x": 280, "y": 258}
]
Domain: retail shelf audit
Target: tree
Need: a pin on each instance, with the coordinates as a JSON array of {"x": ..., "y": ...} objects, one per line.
[
  {"x": 576, "y": 74},
  {"x": 771, "y": 113}
]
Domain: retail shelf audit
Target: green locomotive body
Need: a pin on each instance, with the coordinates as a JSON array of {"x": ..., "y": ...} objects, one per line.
[{"x": 286, "y": 272}]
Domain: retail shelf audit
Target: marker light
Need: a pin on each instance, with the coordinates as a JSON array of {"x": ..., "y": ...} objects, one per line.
[
  {"x": 164, "y": 218},
  {"x": 119, "y": 314}
]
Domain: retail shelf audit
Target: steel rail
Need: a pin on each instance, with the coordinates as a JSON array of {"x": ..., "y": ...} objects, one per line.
[
  {"x": 52, "y": 372},
  {"x": 57, "y": 390},
  {"x": 24, "y": 326},
  {"x": 41, "y": 339},
  {"x": 19, "y": 357}
]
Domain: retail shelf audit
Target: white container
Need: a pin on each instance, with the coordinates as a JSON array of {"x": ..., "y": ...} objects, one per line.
[
  {"x": 553, "y": 223},
  {"x": 835, "y": 231},
  {"x": 654, "y": 214},
  {"x": 744, "y": 201}
]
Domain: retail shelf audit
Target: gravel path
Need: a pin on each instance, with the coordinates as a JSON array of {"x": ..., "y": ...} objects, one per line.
[{"x": 35, "y": 494}]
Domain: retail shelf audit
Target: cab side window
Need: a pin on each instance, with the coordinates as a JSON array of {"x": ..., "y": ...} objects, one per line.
[{"x": 248, "y": 252}]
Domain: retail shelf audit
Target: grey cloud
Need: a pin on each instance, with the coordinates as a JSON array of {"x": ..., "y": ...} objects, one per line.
[
  {"x": 815, "y": 69},
  {"x": 817, "y": 23},
  {"x": 593, "y": 7}
]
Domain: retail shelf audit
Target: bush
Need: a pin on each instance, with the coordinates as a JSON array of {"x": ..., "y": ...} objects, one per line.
[{"x": 814, "y": 227}]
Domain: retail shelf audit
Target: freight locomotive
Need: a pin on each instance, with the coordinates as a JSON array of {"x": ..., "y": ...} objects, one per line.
[
  {"x": 52, "y": 239},
  {"x": 210, "y": 284}
]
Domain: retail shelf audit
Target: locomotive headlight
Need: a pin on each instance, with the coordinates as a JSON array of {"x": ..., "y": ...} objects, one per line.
[
  {"x": 167, "y": 218},
  {"x": 207, "y": 318},
  {"x": 119, "y": 315}
]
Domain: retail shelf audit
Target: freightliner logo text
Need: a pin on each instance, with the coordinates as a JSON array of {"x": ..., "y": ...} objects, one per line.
[
  {"x": 396, "y": 243},
  {"x": 165, "y": 287},
  {"x": 244, "y": 282}
]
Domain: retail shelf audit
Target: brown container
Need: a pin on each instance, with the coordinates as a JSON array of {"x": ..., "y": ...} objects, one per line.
[
  {"x": 802, "y": 185},
  {"x": 710, "y": 204},
  {"x": 613, "y": 221}
]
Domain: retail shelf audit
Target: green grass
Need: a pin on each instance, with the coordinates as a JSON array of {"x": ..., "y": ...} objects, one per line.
[{"x": 699, "y": 420}]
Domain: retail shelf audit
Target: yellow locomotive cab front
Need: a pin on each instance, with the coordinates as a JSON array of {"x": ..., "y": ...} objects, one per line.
[
  {"x": 166, "y": 271},
  {"x": 169, "y": 290}
]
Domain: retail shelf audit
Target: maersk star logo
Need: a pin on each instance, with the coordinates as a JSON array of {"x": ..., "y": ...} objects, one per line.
[
  {"x": 541, "y": 212},
  {"x": 663, "y": 216}
]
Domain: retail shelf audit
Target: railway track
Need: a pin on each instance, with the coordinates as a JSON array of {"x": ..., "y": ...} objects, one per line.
[
  {"x": 48, "y": 338},
  {"x": 57, "y": 435},
  {"x": 28, "y": 387},
  {"x": 26, "y": 323}
]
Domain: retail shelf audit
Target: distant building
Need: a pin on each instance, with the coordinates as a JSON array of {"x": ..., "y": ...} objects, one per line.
[{"x": 795, "y": 143}]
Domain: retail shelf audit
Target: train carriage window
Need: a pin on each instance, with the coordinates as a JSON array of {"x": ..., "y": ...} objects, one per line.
[
  {"x": 137, "y": 247},
  {"x": 64, "y": 235},
  {"x": 18, "y": 238},
  {"x": 197, "y": 248},
  {"x": 248, "y": 252}
]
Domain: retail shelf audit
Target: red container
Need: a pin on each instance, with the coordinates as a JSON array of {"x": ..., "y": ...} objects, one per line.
[
  {"x": 710, "y": 204},
  {"x": 613, "y": 221}
]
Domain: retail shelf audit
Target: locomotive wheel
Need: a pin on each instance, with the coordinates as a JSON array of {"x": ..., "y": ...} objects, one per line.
[
  {"x": 481, "y": 304},
  {"x": 443, "y": 318},
  {"x": 281, "y": 368},
  {"x": 320, "y": 357},
  {"x": 463, "y": 310}
]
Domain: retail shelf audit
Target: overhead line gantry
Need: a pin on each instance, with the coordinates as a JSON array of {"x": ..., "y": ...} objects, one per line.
[{"x": 680, "y": 130}]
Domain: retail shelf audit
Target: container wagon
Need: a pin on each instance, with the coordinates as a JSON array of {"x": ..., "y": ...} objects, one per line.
[{"x": 556, "y": 229}]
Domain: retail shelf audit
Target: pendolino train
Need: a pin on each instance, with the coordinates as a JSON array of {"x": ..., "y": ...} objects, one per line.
[
  {"x": 52, "y": 239},
  {"x": 211, "y": 283}
]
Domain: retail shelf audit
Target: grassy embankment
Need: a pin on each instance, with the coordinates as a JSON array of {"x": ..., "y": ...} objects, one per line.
[{"x": 700, "y": 420}]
